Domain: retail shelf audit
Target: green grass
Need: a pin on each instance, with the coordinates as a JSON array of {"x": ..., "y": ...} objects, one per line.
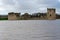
[{"x": 3, "y": 18}]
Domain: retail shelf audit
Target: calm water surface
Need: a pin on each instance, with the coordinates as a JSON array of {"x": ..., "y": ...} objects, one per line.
[{"x": 30, "y": 30}]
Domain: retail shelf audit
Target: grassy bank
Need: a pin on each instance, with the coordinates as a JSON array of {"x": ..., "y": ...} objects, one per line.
[{"x": 3, "y": 18}]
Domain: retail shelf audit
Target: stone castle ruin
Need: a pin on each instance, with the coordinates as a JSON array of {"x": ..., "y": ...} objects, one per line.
[{"x": 50, "y": 15}]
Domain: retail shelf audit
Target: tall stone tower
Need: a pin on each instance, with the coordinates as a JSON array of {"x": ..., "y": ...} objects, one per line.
[{"x": 51, "y": 13}]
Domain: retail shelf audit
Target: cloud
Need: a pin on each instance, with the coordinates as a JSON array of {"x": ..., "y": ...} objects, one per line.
[{"x": 29, "y": 6}]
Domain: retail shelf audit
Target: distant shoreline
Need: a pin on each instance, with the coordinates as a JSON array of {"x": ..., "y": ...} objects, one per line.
[{"x": 30, "y": 19}]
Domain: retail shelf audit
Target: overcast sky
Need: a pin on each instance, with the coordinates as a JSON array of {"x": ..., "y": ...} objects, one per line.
[{"x": 29, "y": 6}]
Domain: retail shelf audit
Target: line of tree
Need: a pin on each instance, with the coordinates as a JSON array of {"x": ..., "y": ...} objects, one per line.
[{"x": 34, "y": 14}]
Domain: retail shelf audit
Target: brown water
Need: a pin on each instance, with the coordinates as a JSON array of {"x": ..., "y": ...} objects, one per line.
[{"x": 30, "y": 30}]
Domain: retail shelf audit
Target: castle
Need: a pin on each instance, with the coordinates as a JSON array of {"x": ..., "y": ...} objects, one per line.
[{"x": 50, "y": 15}]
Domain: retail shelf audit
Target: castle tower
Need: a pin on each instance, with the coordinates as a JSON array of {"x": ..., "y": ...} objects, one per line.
[
  {"x": 13, "y": 16},
  {"x": 51, "y": 14}
]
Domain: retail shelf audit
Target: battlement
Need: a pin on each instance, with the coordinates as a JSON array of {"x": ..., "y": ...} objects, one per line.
[{"x": 51, "y": 8}]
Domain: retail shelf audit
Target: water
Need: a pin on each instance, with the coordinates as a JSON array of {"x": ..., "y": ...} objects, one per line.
[{"x": 30, "y": 30}]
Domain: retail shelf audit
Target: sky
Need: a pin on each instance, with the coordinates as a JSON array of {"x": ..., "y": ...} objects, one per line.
[{"x": 30, "y": 6}]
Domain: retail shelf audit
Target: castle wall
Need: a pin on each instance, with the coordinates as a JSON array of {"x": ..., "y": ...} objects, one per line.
[{"x": 13, "y": 16}]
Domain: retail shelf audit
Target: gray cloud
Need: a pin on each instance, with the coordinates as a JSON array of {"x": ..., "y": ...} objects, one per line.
[{"x": 28, "y": 5}]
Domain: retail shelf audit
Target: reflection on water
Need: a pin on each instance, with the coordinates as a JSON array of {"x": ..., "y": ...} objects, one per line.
[{"x": 30, "y": 30}]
